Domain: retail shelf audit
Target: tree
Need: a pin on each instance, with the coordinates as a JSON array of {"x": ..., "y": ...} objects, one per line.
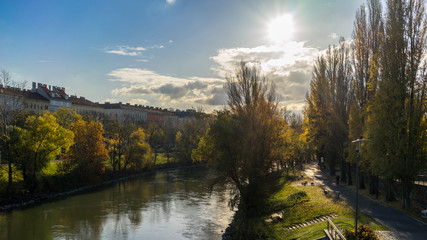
[
  {"x": 10, "y": 109},
  {"x": 188, "y": 136},
  {"x": 117, "y": 139},
  {"x": 11, "y": 151},
  {"x": 156, "y": 138},
  {"x": 66, "y": 117},
  {"x": 44, "y": 139},
  {"x": 138, "y": 151},
  {"x": 395, "y": 120},
  {"x": 88, "y": 152},
  {"x": 246, "y": 140},
  {"x": 328, "y": 104},
  {"x": 368, "y": 36}
]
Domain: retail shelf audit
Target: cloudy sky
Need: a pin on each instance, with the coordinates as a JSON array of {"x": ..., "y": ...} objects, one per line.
[{"x": 168, "y": 53}]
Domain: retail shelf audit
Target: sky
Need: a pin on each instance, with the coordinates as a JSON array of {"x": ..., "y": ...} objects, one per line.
[{"x": 168, "y": 53}]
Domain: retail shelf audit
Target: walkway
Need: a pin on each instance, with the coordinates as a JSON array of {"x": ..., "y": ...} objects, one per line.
[{"x": 403, "y": 226}]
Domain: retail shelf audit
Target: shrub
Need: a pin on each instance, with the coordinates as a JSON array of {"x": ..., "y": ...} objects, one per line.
[
  {"x": 363, "y": 232},
  {"x": 296, "y": 198}
]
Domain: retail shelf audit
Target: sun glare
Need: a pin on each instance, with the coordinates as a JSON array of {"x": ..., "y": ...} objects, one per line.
[{"x": 281, "y": 29}]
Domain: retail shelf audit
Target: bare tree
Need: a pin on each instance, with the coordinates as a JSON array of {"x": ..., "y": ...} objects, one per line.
[{"x": 10, "y": 106}]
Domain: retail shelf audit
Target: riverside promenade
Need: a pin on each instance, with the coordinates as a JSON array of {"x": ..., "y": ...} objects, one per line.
[{"x": 402, "y": 225}]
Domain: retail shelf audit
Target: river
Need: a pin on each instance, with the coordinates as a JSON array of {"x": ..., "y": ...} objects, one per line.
[{"x": 174, "y": 204}]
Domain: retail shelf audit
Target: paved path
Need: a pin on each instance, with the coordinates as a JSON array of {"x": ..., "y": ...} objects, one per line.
[{"x": 403, "y": 226}]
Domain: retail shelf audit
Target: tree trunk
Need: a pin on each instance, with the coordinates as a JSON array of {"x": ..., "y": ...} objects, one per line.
[
  {"x": 373, "y": 184},
  {"x": 361, "y": 180},
  {"x": 119, "y": 164},
  {"x": 343, "y": 171},
  {"x": 9, "y": 182},
  {"x": 350, "y": 181},
  {"x": 155, "y": 157},
  {"x": 332, "y": 167},
  {"x": 389, "y": 191},
  {"x": 406, "y": 194}
]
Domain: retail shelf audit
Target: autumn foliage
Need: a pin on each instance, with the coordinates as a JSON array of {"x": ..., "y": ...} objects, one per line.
[{"x": 88, "y": 151}]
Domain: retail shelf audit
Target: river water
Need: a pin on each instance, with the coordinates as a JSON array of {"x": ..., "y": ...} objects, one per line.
[{"x": 175, "y": 204}]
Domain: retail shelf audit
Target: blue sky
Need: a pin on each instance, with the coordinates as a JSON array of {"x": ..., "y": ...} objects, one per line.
[{"x": 170, "y": 54}]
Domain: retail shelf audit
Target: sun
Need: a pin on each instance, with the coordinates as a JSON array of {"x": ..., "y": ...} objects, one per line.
[{"x": 281, "y": 29}]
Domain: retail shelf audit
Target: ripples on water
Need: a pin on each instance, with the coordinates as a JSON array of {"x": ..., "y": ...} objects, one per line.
[{"x": 174, "y": 204}]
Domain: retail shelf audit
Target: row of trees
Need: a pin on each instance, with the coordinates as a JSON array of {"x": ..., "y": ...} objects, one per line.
[
  {"x": 79, "y": 146},
  {"x": 374, "y": 88}
]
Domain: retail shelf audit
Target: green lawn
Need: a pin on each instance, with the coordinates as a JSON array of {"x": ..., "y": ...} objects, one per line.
[{"x": 302, "y": 203}]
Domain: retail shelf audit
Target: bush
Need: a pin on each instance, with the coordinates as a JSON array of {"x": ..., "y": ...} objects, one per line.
[
  {"x": 296, "y": 198},
  {"x": 363, "y": 232}
]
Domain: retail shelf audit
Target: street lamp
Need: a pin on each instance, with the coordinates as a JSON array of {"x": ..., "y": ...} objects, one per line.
[{"x": 357, "y": 180}]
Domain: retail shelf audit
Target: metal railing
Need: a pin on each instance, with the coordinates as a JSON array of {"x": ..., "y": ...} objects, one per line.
[{"x": 333, "y": 231}]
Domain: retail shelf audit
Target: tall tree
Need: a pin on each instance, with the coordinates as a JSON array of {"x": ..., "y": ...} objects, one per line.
[
  {"x": 396, "y": 117},
  {"x": 247, "y": 137},
  {"x": 156, "y": 138},
  {"x": 189, "y": 134},
  {"x": 138, "y": 151},
  {"x": 88, "y": 151},
  {"x": 44, "y": 139},
  {"x": 317, "y": 111},
  {"x": 328, "y": 104},
  {"x": 367, "y": 43},
  {"x": 10, "y": 109}
]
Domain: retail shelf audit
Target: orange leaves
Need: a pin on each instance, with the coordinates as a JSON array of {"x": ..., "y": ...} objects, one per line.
[{"x": 88, "y": 151}]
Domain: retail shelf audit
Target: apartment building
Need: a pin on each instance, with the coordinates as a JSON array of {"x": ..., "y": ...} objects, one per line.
[
  {"x": 84, "y": 106},
  {"x": 56, "y": 95},
  {"x": 44, "y": 97}
]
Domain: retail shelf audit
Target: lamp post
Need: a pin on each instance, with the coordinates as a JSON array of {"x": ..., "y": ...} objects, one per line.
[{"x": 357, "y": 180}]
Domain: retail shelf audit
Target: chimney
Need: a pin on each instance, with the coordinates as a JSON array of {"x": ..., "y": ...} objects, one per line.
[
  {"x": 34, "y": 86},
  {"x": 50, "y": 87}
]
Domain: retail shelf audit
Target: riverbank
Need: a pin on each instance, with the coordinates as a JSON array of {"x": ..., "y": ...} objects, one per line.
[
  {"x": 30, "y": 200},
  {"x": 297, "y": 206}
]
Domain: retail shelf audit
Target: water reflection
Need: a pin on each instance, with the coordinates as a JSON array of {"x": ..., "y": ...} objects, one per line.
[{"x": 167, "y": 205}]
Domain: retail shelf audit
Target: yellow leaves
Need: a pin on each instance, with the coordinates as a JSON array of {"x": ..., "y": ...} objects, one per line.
[
  {"x": 89, "y": 150},
  {"x": 45, "y": 133},
  {"x": 139, "y": 151},
  {"x": 373, "y": 73}
]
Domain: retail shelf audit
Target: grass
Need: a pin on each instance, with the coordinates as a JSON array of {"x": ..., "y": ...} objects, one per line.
[{"x": 300, "y": 203}]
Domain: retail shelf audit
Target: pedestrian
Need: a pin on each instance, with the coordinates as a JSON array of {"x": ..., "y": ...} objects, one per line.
[{"x": 338, "y": 179}]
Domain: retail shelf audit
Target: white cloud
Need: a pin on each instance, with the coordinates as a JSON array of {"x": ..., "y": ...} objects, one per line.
[
  {"x": 138, "y": 101},
  {"x": 142, "y": 60},
  {"x": 288, "y": 65},
  {"x": 278, "y": 59},
  {"x": 170, "y": 2},
  {"x": 126, "y": 50},
  {"x": 334, "y": 36},
  {"x": 168, "y": 91},
  {"x": 111, "y": 100}
]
